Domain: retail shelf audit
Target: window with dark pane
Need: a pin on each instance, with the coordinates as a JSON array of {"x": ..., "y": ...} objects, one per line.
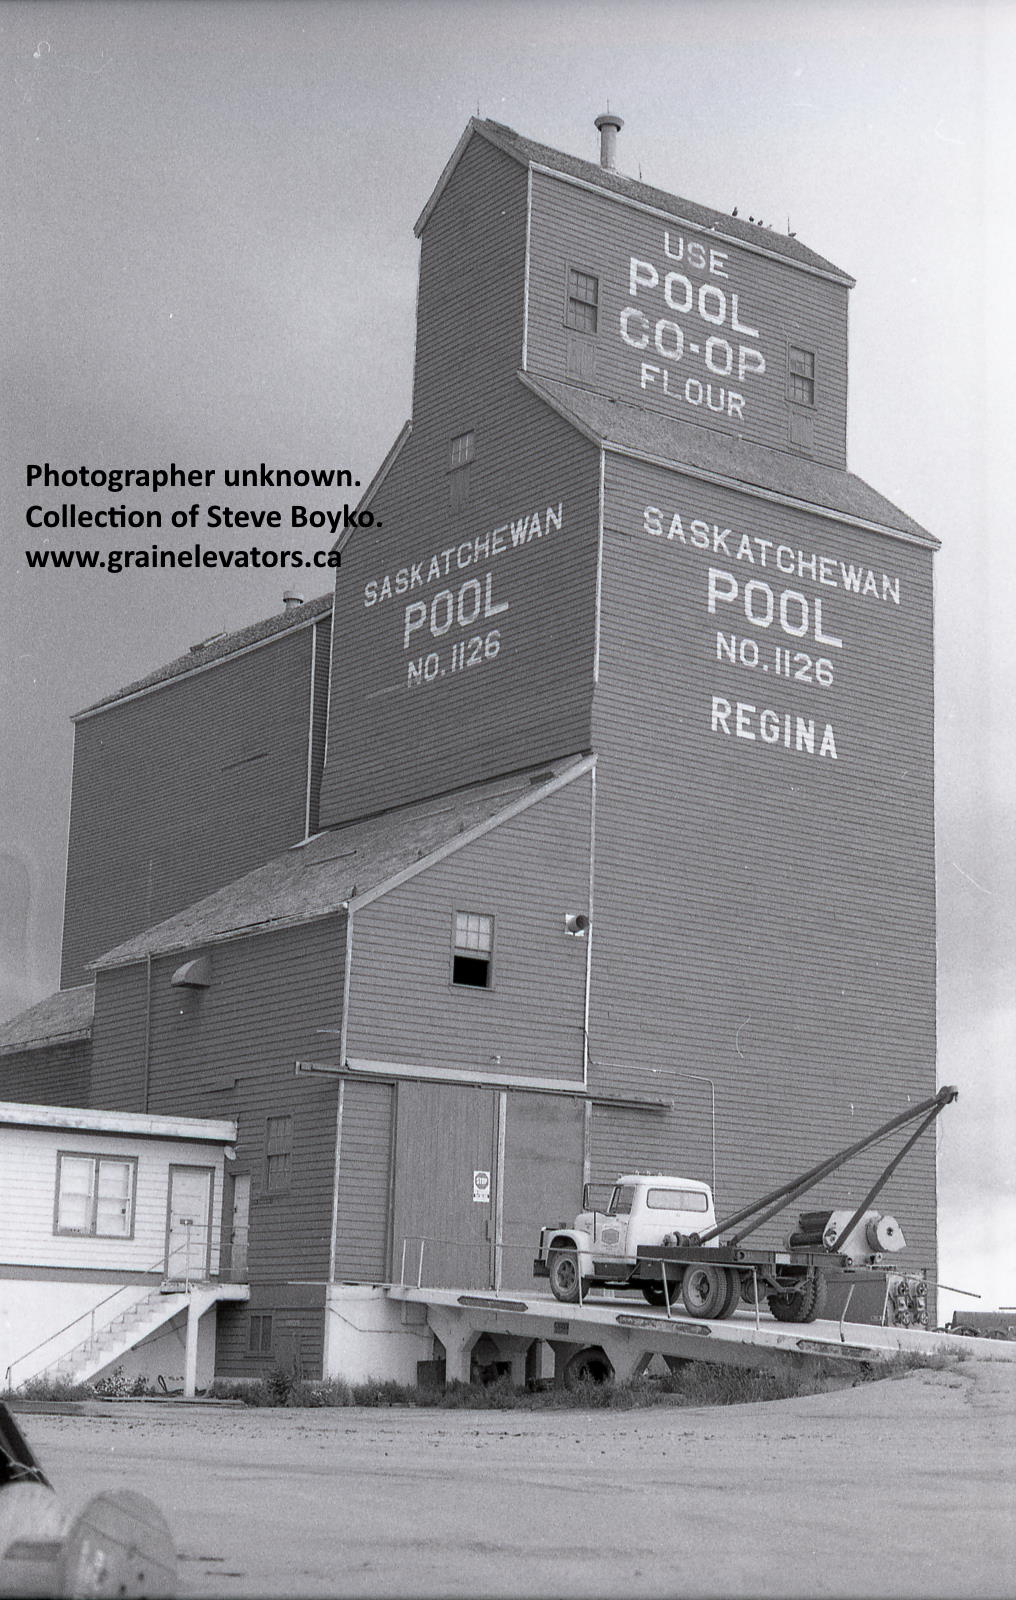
[
  {"x": 801, "y": 376},
  {"x": 473, "y": 949},
  {"x": 583, "y": 301},
  {"x": 278, "y": 1153}
]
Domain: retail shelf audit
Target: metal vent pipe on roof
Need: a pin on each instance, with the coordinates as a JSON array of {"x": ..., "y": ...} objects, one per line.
[{"x": 609, "y": 125}]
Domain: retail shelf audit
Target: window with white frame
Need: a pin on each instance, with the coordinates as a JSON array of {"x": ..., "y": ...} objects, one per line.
[
  {"x": 472, "y": 949},
  {"x": 95, "y": 1195}
]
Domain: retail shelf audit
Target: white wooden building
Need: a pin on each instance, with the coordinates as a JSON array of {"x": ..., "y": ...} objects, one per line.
[{"x": 110, "y": 1244}]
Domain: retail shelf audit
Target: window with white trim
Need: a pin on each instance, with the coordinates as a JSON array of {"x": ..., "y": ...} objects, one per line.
[
  {"x": 95, "y": 1195},
  {"x": 472, "y": 949}
]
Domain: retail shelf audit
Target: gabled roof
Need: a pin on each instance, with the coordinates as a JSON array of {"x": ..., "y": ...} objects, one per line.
[
  {"x": 219, "y": 648},
  {"x": 722, "y": 457},
  {"x": 734, "y": 229},
  {"x": 347, "y": 865},
  {"x": 61, "y": 1018}
]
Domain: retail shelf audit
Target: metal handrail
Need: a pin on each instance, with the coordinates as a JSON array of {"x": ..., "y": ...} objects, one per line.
[
  {"x": 462, "y": 1244},
  {"x": 90, "y": 1313}
]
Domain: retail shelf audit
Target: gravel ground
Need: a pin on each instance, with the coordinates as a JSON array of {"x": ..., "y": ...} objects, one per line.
[{"x": 898, "y": 1488}]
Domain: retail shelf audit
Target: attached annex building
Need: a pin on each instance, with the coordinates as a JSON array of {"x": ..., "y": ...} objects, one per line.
[{"x": 588, "y": 829}]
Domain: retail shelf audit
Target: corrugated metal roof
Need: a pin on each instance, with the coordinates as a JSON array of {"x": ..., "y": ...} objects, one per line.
[
  {"x": 59, "y": 1019},
  {"x": 219, "y": 647},
  {"x": 736, "y": 229},
  {"x": 315, "y": 879},
  {"x": 678, "y": 444}
]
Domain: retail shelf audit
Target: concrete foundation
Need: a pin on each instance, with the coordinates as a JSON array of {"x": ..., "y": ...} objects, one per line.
[{"x": 368, "y": 1335}]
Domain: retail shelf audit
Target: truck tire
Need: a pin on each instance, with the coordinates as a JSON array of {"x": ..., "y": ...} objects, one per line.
[
  {"x": 709, "y": 1291},
  {"x": 590, "y": 1365},
  {"x": 800, "y": 1305},
  {"x": 563, "y": 1272},
  {"x": 652, "y": 1290},
  {"x": 733, "y": 1299}
]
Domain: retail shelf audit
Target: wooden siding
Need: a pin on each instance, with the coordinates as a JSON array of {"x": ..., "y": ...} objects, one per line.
[
  {"x": 544, "y": 1148},
  {"x": 120, "y": 1040},
  {"x": 230, "y": 1050},
  {"x": 55, "y": 1075},
  {"x": 444, "y": 1135},
  {"x": 781, "y": 303},
  {"x": 407, "y": 717},
  {"x": 28, "y": 1186},
  {"x": 528, "y": 874},
  {"x": 297, "y": 1313},
  {"x": 180, "y": 790},
  {"x": 319, "y": 718},
  {"x": 365, "y": 1169},
  {"x": 765, "y": 918}
]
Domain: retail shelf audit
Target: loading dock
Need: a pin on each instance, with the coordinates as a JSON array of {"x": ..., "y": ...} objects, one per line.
[{"x": 629, "y": 1334}]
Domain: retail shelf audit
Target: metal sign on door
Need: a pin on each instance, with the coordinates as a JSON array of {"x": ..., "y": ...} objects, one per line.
[{"x": 481, "y": 1187}]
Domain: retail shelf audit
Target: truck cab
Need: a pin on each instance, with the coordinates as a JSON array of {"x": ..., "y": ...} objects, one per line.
[{"x": 600, "y": 1247}]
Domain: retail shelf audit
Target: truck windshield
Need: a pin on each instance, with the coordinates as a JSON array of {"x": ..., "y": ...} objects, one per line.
[
  {"x": 676, "y": 1200},
  {"x": 620, "y": 1200}
]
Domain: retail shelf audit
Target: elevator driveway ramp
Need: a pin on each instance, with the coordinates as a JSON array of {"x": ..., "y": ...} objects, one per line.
[{"x": 630, "y": 1334}]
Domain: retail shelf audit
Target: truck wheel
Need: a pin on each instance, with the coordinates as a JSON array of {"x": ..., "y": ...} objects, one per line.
[
  {"x": 588, "y": 1366},
  {"x": 563, "y": 1271},
  {"x": 652, "y": 1290},
  {"x": 707, "y": 1290},
  {"x": 732, "y": 1301},
  {"x": 800, "y": 1305}
]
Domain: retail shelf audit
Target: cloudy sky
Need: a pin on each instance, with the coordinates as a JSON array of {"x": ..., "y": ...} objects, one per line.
[{"x": 213, "y": 263}]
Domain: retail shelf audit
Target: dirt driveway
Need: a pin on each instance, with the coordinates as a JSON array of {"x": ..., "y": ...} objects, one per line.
[{"x": 899, "y": 1488}]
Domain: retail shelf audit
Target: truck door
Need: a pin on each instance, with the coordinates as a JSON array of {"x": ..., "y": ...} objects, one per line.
[{"x": 612, "y": 1229}]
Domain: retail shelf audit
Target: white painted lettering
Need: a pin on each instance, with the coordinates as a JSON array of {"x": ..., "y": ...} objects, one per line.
[
  {"x": 676, "y": 284},
  {"x": 737, "y": 326},
  {"x": 632, "y": 314},
  {"x": 641, "y": 275}
]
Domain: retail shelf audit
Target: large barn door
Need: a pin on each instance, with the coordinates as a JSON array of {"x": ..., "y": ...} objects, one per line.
[
  {"x": 541, "y": 1180},
  {"x": 445, "y": 1185}
]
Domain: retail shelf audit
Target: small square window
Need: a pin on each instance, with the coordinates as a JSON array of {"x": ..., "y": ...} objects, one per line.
[
  {"x": 801, "y": 376},
  {"x": 95, "y": 1195},
  {"x": 462, "y": 450},
  {"x": 278, "y": 1153},
  {"x": 259, "y": 1337},
  {"x": 473, "y": 949},
  {"x": 583, "y": 301}
]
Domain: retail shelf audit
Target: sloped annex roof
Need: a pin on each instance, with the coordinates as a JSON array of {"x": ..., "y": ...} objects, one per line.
[
  {"x": 218, "y": 648},
  {"x": 723, "y": 456},
  {"x": 317, "y": 878},
  {"x": 61, "y": 1018},
  {"x": 735, "y": 229}
]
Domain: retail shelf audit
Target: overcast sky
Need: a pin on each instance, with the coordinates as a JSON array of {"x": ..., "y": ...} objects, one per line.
[{"x": 213, "y": 263}]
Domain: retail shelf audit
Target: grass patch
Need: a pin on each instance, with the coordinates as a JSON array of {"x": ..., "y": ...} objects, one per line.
[{"x": 698, "y": 1384}]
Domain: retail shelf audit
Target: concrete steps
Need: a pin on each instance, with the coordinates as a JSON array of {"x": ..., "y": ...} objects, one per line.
[{"x": 115, "y": 1338}]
